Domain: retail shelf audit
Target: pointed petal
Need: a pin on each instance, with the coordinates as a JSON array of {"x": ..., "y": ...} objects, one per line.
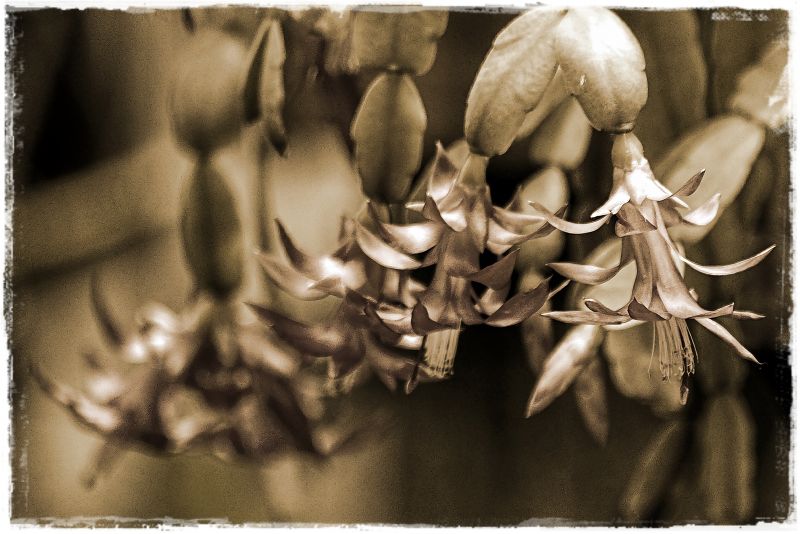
[
  {"x": 520, "y": 306},
  {"x": 289, "y": 279},
  {"x": 315, "y": 268},
  {"x": 691, "y": 185},
  {"x": 411, "y": 238},
  {"x": 705, "y": 213},
  {"x": 733, "y": 268},
  {"x": 380, "y": 252},
  {"x": 586, "y": 274},
  {"x": 498, "y": 274},
  {"x": 566, "y": 226},
  {"x": 586, "y": 317},
  {"x": 299, "y": 259},
  {"x": 720, "y": 331}
]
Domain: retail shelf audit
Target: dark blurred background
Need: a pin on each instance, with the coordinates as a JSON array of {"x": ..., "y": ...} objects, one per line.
[{"x": 97, "y": 179}]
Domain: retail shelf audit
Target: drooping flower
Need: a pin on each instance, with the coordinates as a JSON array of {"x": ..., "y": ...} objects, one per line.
[
  {"x": 207, "y": 376},
  {"x": 459, "y": 222},
  {"x": 644, "y": 210}
]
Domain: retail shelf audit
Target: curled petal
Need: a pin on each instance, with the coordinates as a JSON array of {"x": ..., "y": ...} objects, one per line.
[
  {"x": 705, "y": 213},
  {"x": 630, "y": 221},
  {"x": 411, "y": 238},
  {"x": 421, "y": 322},
  {"x": 618, "y": 198},
  {"x": 520, "y": 306},
  {"x": 733, "y": 268},
  {"x": 640, "y": 312},
  {"x": 721, "y": 332},
  {"x": 454, "y": 217},
  {"x": 591, "y": 274},
  {"x": 492, "y": 300},
  {"x": 500, "y": 235},
  {"x": 515, "y": 220},
  {"x": 586, "y": 317},
  {"x": 381, "y": 252},
  {"x": 290, "y": 280},
  {"x": 691, "y": 185},
  {"x": 569, "y": 227},
  {"x": 498, "y": 274},
  {"x": 396, "y": 319}
]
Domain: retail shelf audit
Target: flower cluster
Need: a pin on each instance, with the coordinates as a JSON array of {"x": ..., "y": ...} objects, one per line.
[
  {"x": 384, "y": 309},
  {"x": 209, "y": 376}
]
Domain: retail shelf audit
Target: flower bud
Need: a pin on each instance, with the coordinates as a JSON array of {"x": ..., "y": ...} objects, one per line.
[
  {"x": 211, "y": 231},
  {"x": 388, "y": 131},
  {"x": 603, "y": 67},
  {"x": 206, "y": 104}
]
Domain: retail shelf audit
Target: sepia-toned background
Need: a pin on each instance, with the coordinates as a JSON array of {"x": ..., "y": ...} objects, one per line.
[{"x": 97, "y": 179}]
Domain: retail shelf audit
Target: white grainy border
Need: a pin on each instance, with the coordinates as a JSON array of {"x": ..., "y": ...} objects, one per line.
[{"x": 794, "y": 321}]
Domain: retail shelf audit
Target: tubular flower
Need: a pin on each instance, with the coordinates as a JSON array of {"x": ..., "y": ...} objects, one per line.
[
  {"x": 644, "y": 209},
  {"x": 374, "y": 297},
  {"x": 352, "y": 338},
  {"x": 204, "y": 376},
  {"x": 458, "y": 223}
]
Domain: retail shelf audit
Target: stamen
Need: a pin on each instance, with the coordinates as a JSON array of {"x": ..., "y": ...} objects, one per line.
[
  {"x": 676, "y": 350},
  {"x": 440, "y": 351}
]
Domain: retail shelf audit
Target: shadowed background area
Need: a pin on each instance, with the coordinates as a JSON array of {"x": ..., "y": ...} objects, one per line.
[{"x": 97, "y": 182}]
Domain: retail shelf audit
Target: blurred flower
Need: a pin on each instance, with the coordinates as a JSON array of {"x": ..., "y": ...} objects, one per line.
[
  {"x": 206, "y": 375},
  {"x": 644, "y": 209}
]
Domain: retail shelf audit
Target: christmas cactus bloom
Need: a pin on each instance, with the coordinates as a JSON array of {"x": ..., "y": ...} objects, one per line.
[
  {"x": 192, "y": 375},
  {"x": 377, "y": 296},
  {"x": 354, "y": 337},
  {"x": 459, "y": 222},
  {"x": 644, "y": 209}
]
